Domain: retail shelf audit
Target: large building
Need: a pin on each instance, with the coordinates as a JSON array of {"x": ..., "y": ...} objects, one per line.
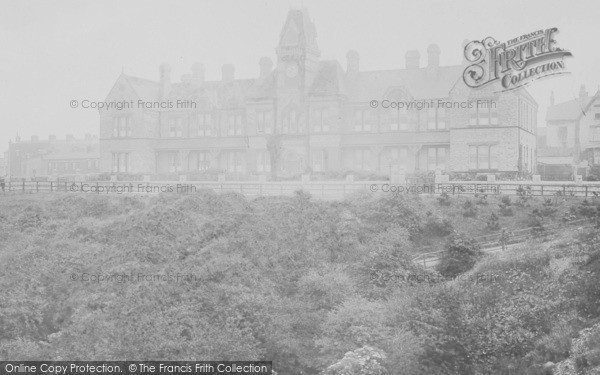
[
  {"x": 571, "y": 142},
  {"x": 52, "y": 157},
  {"x": 303, "y": 114}
]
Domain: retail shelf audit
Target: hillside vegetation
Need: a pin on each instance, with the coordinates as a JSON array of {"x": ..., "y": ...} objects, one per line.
[{"x": 316, "y": 287}]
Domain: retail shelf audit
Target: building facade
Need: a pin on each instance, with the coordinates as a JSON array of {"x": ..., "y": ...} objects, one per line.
[
  {"x": 571, "y": 141},
  {"x": 303, "y": 114},
  {"x": 52, "y": 157}
]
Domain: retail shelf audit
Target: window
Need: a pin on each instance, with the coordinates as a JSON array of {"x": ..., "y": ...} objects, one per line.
[
  {"x": 120, "y": 162},
  {"x": 174, "y": 162},
  {"x": 202, "y": 126},
  {"x": 436, "y": 119},
  {"x": 436, "y": 158},
  {"x": 122, "y": 127},
  {"x": 482, "y": 157},
  {"x": 263, "y": 161},
  {"x": 596, "y": 156},
  {"x": 320, "y": 120},
  {"x": 362, "y": 159},
  {"x": 232, "y": 161},
  {"x": 234, "y": 125},
  {"x": 201, "y": 162},
  {"x": 176, "y": 128},
  {"x": 291, "y": 122},
  {"x": 319, "y": 161},
  {"x": 264, "y": 122},
  {"x": 483, "y": 113},
  {"x": 364, "y": 120},
  {"x": 563, "y": 131}
]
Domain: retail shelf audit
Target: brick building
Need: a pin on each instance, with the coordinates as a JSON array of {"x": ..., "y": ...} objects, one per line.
[
  {"x": 303, "y": 114},
  {"x": 53, "y": 157}
]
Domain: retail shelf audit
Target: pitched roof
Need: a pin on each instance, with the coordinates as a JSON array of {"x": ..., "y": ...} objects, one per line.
[
  {"x": 571, "y": 110},
  {"x": 146, "y": 89},
  {"x": 419, "y": 82}
]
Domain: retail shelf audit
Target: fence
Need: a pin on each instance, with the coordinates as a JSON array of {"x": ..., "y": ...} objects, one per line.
[
  {"x": 319, "y": 189},
  {"x": 490, "y": 242}
]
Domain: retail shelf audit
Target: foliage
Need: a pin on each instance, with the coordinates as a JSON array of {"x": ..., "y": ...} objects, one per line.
[
  {"x": 444, "y": 199},
  {"x": 460, "y": 256},
  {"x": 469, "y": 209},
  {"x": 493, "y": 222},
  {"x": 363, "y": 361}
]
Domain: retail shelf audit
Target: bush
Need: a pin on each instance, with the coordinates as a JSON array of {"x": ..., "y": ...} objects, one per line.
[
  {"x": 536, "y": 221},
  {"x": 524, "y": 194},
  {"x": 461, "y": 255},
  {"x": 469, "y": 209},
  {"x": 493, "y": 222},
  {"x": 444, "y": 199},
  {"x": 482, "y": 199},
  {"x": 434, "y": 226}
]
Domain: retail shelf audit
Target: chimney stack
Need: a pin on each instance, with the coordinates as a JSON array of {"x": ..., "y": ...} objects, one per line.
[
  {"x": 198, "y": 73},
  {"x": 412, "y": 59},
  {"x": 582, "y": 92},
  {"x": 433, "y": 60},
  {"x": 266, "y": 66},
  {"x": 165, "y": 79},
  {"x": 228, "y": 73},
  {"x": 352, "y": 63}
]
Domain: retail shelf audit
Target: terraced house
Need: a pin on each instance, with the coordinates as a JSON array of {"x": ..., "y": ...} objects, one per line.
[{"x": 304, "y": 114}]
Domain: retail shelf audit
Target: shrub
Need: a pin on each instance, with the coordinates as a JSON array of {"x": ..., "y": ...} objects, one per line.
[
  {"x": 548, "y": 208},
  {"x": 434, "y": 226},
  {"x": 444, "y": 199},
  {"x": 469, "y": 209},
  {"x": 524, "y": 194},
  {"x": 493, "y": 222},
  {"x": 461, "y": 255},
  {"x": 536, "y": 221},
  {"x": 482, "y": 200}
]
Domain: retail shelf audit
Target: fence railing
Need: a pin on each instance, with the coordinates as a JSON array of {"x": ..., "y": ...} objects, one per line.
[
  {"x": 491, "y": 241},
  {"x": 322, "y": 189}
]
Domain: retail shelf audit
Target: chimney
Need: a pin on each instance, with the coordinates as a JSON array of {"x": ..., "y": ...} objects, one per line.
[
  {"x": 582, "y": 92},
  {"x": 433, "y": 60},
  {"x": 412, "y": 59},
  {"x": 266, "y": 66},
  {"x": 52, "y": 138},
  {"x": 228, "y": 73},
  {"x": 165, "y": 79},
  {"x": 352, "y": 63},
  {"x": 551, "y": 98},
  {"x": 198, "y": 73},
  {"x": 35, "y": 138}
]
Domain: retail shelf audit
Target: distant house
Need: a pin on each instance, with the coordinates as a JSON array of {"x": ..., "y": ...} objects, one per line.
[
  {"x": 572, "y": 136},
  {"x": 53, "y": 157},
  {"x": 313, "y": 115}
]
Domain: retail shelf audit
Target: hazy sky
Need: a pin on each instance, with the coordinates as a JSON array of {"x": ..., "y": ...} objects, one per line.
[{"x": 53, "y": 52}]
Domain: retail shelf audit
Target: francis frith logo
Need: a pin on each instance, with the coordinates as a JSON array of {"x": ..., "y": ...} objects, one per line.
[{"x": 514, "y": 63}]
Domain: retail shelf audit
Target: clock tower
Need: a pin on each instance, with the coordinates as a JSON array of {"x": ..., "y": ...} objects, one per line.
[
  {"x": 297, "y": 66},
  {"x": 297, "y": 59}
]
